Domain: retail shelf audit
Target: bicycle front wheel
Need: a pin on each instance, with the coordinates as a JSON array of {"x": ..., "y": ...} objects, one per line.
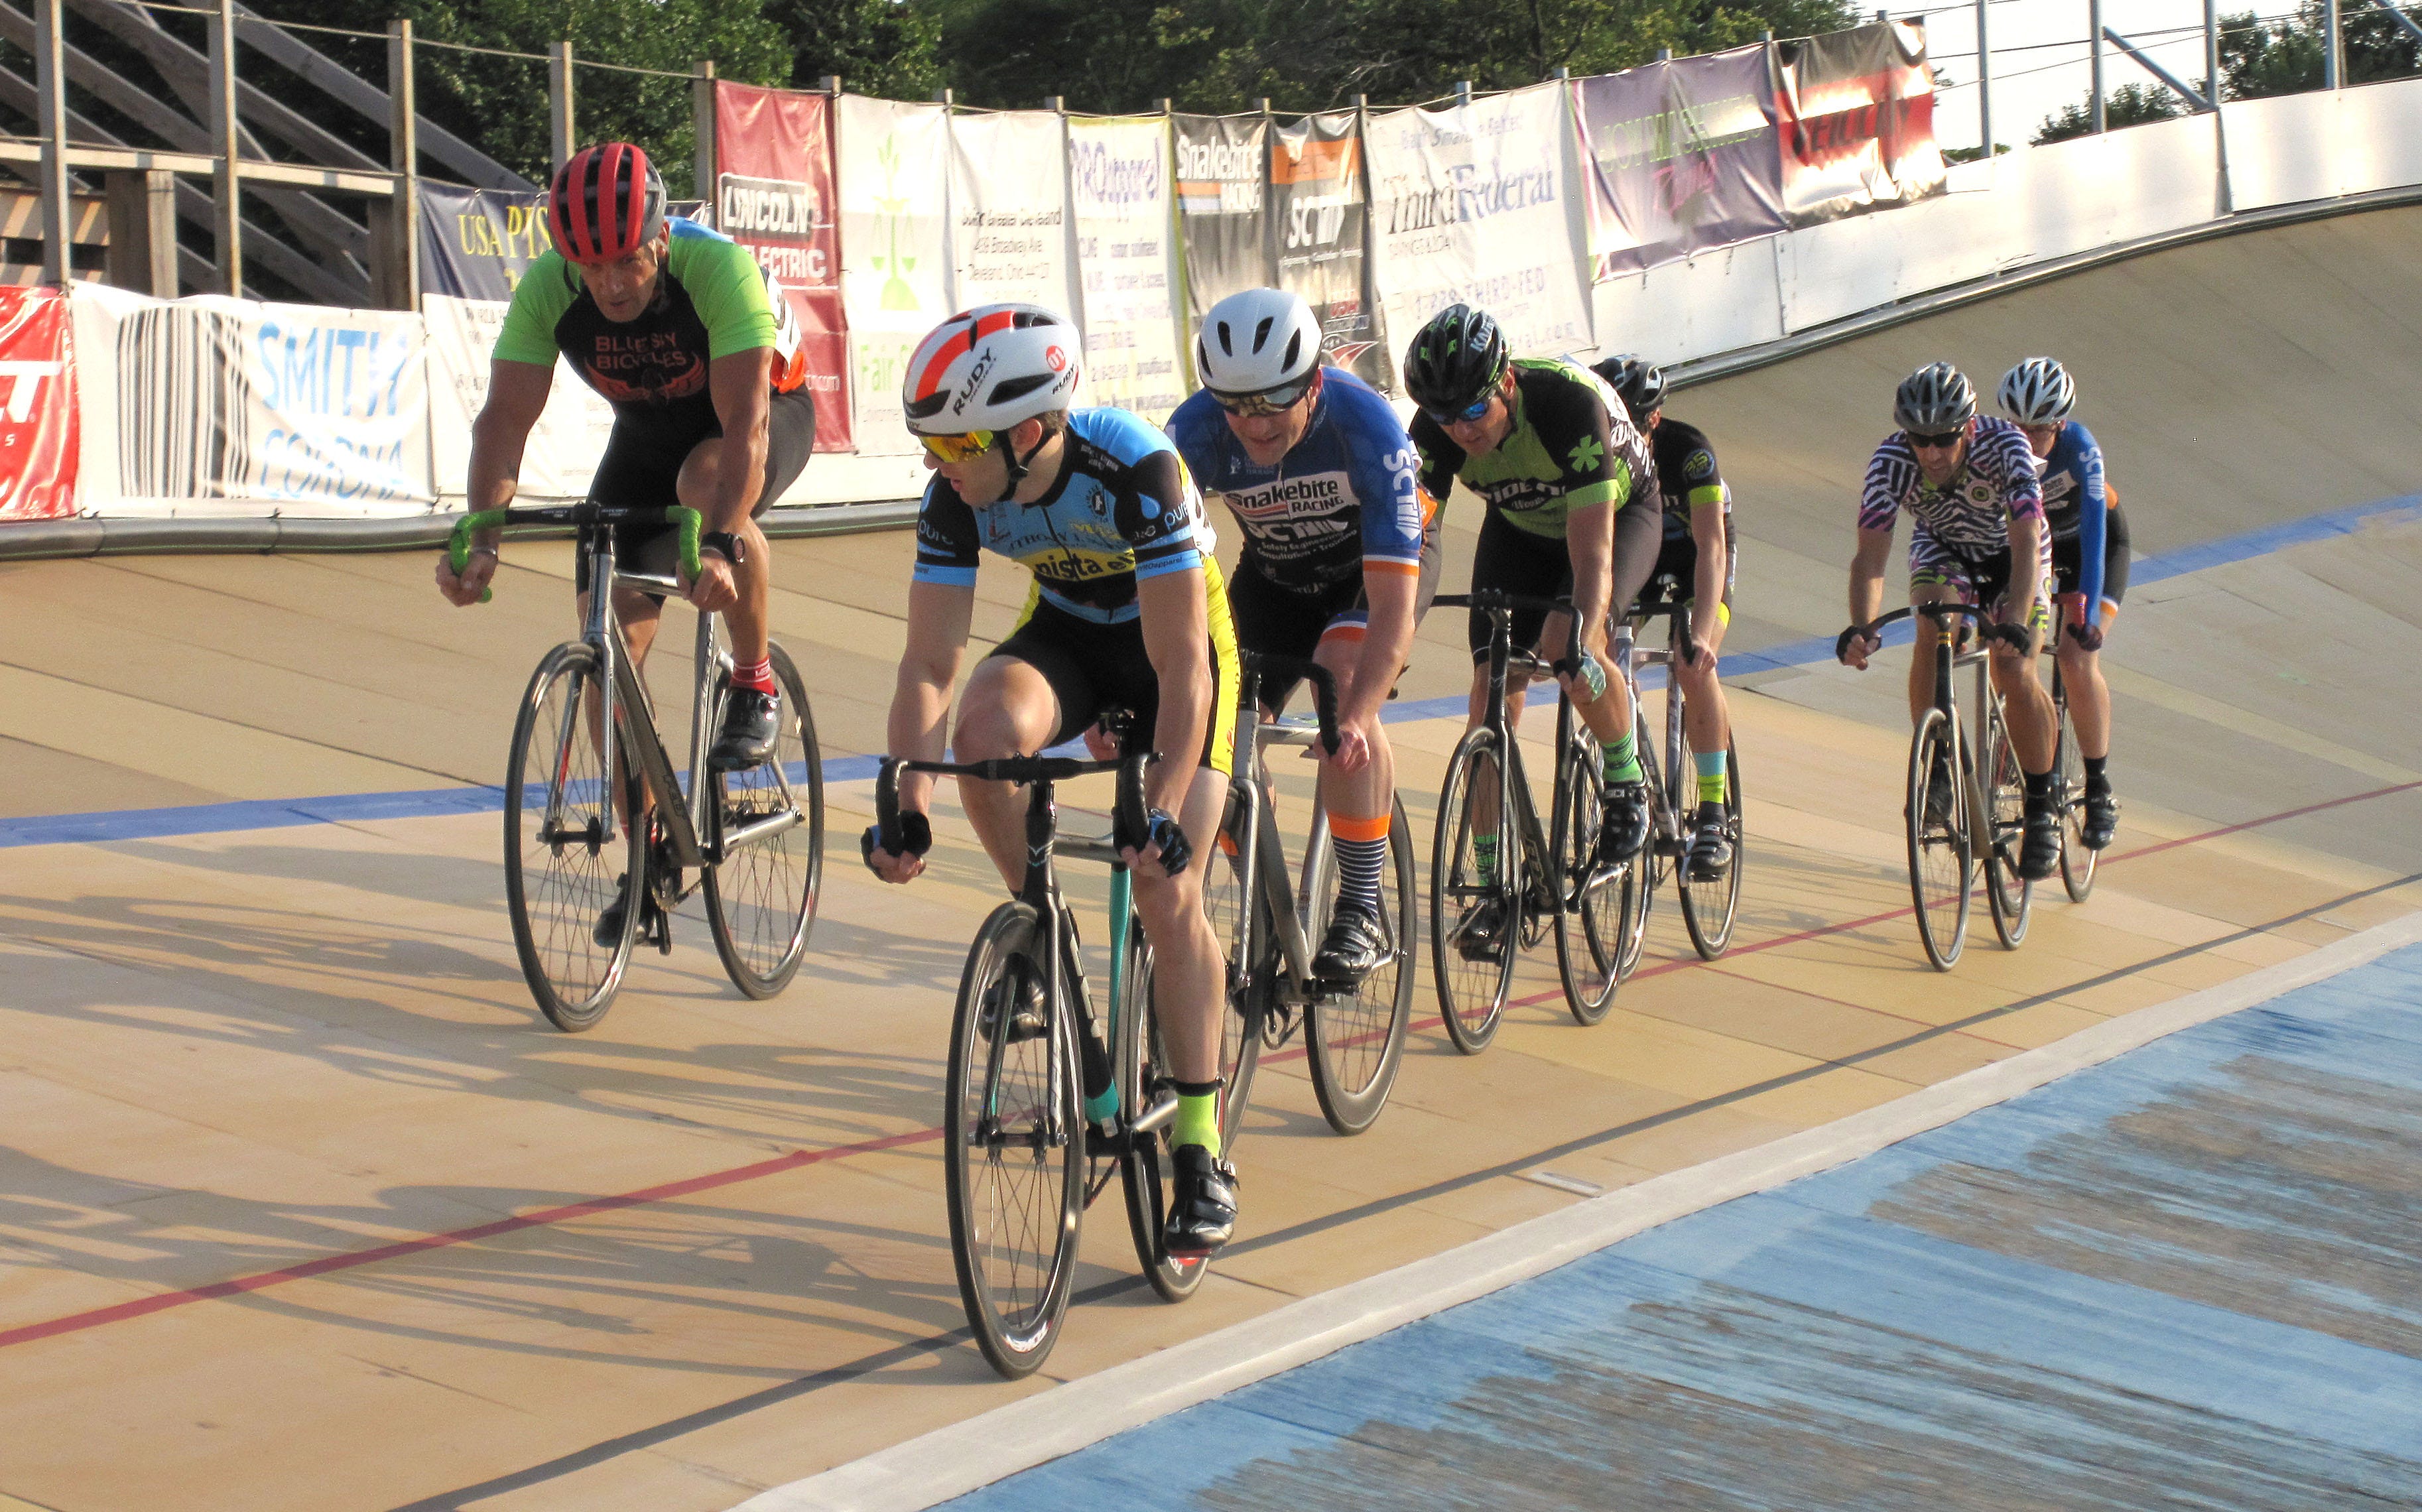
[
  {"x": 1475, "y": 880},
  {"x": 1144, "y": 1165},
  {"x": 1588, "y": 897},
  {"x": 1355, "y": 1039},
  {"x": 560, "y": 867},
  {"x": 2068, "y": 791},
  {"x": 1014, "y": 1147},
  {"x": 1941, "y": 860},
  {"x": 761, "y": 898},
  {"x": 2001, "y": 817},
  {"x": 1710, "y": 908},
  {"x": 1646, "y": 872}
]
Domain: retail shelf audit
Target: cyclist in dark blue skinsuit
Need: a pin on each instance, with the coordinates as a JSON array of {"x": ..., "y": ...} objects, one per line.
[{"x": 1340, "y": 559}]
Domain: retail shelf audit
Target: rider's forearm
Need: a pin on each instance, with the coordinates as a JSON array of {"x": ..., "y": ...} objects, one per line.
[
  {"x": 1387, "y": 646},
  {"x": 920, "y": 704},
  {"x": 2026, "y": 570},
  {"x": 1707, "y": 614},
  {"x": 1178, "y": 731},
  {"x": 494, "y": 470}
]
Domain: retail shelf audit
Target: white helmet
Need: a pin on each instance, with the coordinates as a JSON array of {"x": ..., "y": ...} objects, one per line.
[
  {"x": 1257, "y": 340},
  {"x": 2037, "y": 391},
  {"x": 987, "y": 369}
]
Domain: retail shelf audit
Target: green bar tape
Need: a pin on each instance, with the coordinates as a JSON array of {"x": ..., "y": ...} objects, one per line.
[{"x": 458, "y": 544}]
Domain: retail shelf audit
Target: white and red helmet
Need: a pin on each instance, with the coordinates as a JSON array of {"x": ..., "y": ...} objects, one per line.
[{"x": 986, "y": 369}]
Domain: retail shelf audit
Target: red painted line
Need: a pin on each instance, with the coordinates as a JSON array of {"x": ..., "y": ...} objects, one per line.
[{"x": 666, "y": 1192}]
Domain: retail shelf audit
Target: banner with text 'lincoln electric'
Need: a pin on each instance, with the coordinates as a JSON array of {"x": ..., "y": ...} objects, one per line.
[{"x": 773, "y": 196}]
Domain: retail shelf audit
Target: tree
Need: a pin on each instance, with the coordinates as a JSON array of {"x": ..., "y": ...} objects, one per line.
[
  {"x": 2131, "y": 104},
  {"x": 889, "y": 48},
  {"x": 2263, "y": 58}
]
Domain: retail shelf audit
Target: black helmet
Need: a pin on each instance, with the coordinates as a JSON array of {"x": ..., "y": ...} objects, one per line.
[
  {"x": 1640, "y": 383},
  {"x": 1934, "y": 401},
  {"x": 1454, "y": 360}
]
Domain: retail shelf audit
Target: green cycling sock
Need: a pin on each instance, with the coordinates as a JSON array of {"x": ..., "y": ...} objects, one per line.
[
  {"x": 1622, "y": 759},
  {"x": 1712, "y": 776},
  {"x": 1484, "y": 856},
  {"x": 1197, "y": 1116}
]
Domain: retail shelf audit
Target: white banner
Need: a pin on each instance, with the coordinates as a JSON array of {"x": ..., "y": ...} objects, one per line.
[
  {"x": 1118, "y": 174},
  {"x": 894, "y": 260},
  {"x": 1480, "y": 204},
  {"x": 1008, "y": 210},
  {"x": 207, "y": 401},
  {"x": 564, "y": 445}
]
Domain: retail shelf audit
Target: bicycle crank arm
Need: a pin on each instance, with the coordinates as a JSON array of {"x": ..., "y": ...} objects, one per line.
[
  {"x": 1163, "y": 1109},
  {"x": 765, "y": 828}
]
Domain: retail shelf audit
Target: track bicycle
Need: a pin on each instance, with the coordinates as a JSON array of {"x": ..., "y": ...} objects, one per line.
[
  {"x": 1955, "y": 820},
  {"x": 2068, "y": 773},
  {"x": 1354, "y": 1038},
  {"x": 1024, "y": 1158},
  {"x": 1709, "y": 909},
  {"x": 754, "y": 838},
  {"x": 1497, "y": 887}
]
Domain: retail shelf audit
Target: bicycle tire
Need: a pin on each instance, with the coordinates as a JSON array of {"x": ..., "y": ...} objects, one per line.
[
  {"x": 1144, "y": 1163},
  {"x": 2000, "y": 812},
  {"x": 571, "y": 976},
  {"x": 1472, "y": 992},
  {"x": 1588, "y": 897},
  {"x": 761, "y": 925},
  {"x": 1644, "y": 874},
  {"x": 1939, "y": 891},
  {"x": 1709, "y": 910},
  {"x": 1015, "y": 1287},
  {"x": 2069, "y": 788},
  {"x": 1355, "y": 1042}
]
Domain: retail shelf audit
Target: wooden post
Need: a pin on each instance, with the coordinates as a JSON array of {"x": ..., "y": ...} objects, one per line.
[
  {"x": 142, "y": 230},
  {"x": 701, "y": 125},
  {"x": 558, "y": 104},
  {"x": 51, "y": 91},
  {"x": 226, "y": 142},
  {"x": 404, "y": 156}
]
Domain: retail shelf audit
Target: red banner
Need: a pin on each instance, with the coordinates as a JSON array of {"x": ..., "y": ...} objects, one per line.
[
  {"x": 37, "y": 406},
  {"x": 1856, "y": 112},
  {"x": 773, "y": 196}
]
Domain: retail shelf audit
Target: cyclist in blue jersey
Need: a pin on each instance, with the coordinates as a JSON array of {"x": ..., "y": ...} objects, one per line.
[
  {"x": 1979, "y": 538},
  {"x": 1127, "y": 612},
  {"x": 2090, "y": 557},
  {"x": 1340, "y": 560}
]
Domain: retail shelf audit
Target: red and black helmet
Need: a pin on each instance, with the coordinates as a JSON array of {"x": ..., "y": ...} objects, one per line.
[{"x": 608, "y": 201}]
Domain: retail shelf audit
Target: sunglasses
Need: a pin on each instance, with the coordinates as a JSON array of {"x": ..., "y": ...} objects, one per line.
[
  {"x": 1936, "y": 442},
  {"x": 958, "y": 447},
  {"x": 1268, "y": 402},
  {"x": 1465, "y": 416}
]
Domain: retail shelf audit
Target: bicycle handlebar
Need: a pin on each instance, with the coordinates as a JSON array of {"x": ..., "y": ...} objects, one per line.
[
  {"x": 1324, "y": 688},
  {"x": 2009, "y": 635},
  {"x": 1494, "y": 601},
  {"x": 1130, "y": 827},
  {"x": 458, "y": 541}
]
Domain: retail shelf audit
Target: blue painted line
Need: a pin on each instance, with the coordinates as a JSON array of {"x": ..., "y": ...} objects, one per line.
[
  {"x": 272, "y": 813},
  {"x": 2179, "y": 1278}
]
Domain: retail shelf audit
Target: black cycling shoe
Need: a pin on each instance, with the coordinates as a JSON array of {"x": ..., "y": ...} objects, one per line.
[
  {"x": 1481, "y": 936},
  {"x": 2040, "y": 857},
  {"x": 609, "y": 924},
  {"x": 1711, "y": 853},
  {"x": 749, "y": 724},
  {"x": 1026, "y": 1019},
  {"x": 2102, "y": 816},
  {"x": 1201, "y": 1204},
  {"x": 1354, "y": 947},
  {"x": 1624, "y": 825}
]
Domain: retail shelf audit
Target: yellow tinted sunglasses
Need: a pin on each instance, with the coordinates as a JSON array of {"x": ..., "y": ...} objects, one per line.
[{"x": 958, "y": 447}]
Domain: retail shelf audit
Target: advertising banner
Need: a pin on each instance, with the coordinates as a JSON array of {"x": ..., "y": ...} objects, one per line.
[
  {"x": 475, "y": 244},
  {"x": 38, "y": 440},
  {"x": 773, "y": 196},
  {"x": 1323, "y": 211},
  {"x": 1682, "y": 158},
  {"x": 1223, "y": 167},
  {"x": 1855, "y": 110},
  {"x": 563, "y": 447},
  {"x": 1477, "y": 203},
  {"x": 895, "y": 263},
  {"x": 1009, "y": 203},
  {"x": 1119, "y": 187}
]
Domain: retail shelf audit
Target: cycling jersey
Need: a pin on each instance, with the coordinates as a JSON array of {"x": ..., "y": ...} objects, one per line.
[
  {"x": 1686, "y": 474},
  {"x": 1971, "y": 514},
  {"x": 711, "y": 301},
  {"x": 1572, "y": 445},
  {"x": 1342, "y": 501},
  {"x": 1121, "y": 509},
  {"x": 2076, "y": 502}
]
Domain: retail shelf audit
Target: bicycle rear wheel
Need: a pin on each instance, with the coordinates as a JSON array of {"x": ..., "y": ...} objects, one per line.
[
  {"x": 1588, "y": 897},
  {"x": 1646, "y": 873},
  {"x": 1145, "y": 1164},
  {"x": 1710, "y": 908},
  {"x": 560, "y": 867},
  {"x": 1474, "y": 968},
  {"x": 2068, "y": 791},
  {"x": 1355, "y": 1040},
  {"x": 2000, "y": 817},
  {"x": 1014, "y": 1147},
  {"x": 1940, "y": 859},
  {"x": 761, "y": 898}
]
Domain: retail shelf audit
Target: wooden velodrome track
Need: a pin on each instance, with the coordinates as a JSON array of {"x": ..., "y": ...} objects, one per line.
[{"x": 302, "y": 1206}]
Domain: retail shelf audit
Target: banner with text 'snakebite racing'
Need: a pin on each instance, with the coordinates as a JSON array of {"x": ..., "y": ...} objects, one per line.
[
  {"x": 1681, "y": 158},
  {"x": 1222, "y": 208},
  {"x": 774, "y": 195},
  {"x": 1320, "y": 200},
  {"x": 1855, "y": 112}
]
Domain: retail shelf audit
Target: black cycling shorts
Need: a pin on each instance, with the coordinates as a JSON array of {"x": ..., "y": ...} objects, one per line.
[
  {"x": 2067, "y": 561},
  {"x": 1510, "y": 559},
  {"x": 1275, "y": 619},
  {"x": 1678, "y": 558},
  {"x": 642, "y": 464}
]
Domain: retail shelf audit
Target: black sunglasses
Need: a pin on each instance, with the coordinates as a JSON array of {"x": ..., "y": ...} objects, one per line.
[
  {"x": 1936, "y": 442},
  {"x": 1477, "y": 408}
]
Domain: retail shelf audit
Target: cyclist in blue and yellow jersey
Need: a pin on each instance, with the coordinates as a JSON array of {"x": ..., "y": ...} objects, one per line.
[
  {"x": 700, "y": 358},
  {"x": 1126, "y": 610},
  {"x": 1700, "y": 553},
  {"x": 1340, "y": 560},
  {"x": 1572, "y": 509},
  {"x": 2090, "y": 557},
  {"x": 1979, "y": 538}
]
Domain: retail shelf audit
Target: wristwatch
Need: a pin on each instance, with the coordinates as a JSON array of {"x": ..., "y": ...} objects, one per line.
[{"x": 725, "y": 545}]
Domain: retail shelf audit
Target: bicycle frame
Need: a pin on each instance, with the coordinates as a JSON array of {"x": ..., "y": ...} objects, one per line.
[
  {"x": 1260, "y": 852},
  {"x": 1673, "y": 793}
]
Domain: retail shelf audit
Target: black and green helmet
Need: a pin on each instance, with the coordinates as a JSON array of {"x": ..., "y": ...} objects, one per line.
[{"x": 1454, "y": 360}]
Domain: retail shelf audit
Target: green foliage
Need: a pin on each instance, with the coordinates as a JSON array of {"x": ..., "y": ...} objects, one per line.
[
  {"x": 886, "y": 48},
  {"x": 2131, "y": 104},
  {"x": 2263, "y": 58}
]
